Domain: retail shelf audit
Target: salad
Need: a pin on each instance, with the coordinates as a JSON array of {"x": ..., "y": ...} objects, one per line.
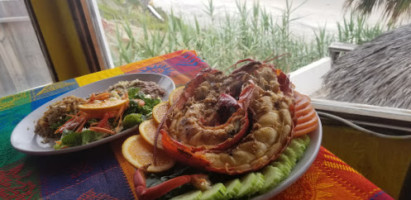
[{"x": 75, "y": 121}]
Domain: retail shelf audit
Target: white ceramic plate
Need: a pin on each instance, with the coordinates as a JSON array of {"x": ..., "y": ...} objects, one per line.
[
  {"x": 24, "y": 139},
  {"x": 302, "y": 165}
]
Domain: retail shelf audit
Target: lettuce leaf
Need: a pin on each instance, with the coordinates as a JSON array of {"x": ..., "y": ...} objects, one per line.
[
  {"x": 134, "y": 107},
  {"x": 88, "y": 136},
  {"x": 70, "y": 139}
]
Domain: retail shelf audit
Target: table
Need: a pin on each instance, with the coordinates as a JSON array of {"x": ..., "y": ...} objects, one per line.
[{"x": 103, "y": 173}]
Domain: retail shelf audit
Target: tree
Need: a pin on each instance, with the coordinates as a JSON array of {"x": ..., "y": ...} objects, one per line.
[{"x": 393, "y": 9}]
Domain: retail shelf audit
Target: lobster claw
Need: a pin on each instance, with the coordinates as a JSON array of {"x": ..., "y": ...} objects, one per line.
[{"x": 143, "y": 193}]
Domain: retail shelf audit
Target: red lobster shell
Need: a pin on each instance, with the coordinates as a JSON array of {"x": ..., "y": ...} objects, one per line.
[{"x": 231, "y": 124}]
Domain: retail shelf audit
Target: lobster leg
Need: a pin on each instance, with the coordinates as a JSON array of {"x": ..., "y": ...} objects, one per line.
[{"x": 144, "y": 193}]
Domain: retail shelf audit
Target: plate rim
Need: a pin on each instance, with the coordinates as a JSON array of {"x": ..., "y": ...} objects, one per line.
[{"x": 81, "y": 147}]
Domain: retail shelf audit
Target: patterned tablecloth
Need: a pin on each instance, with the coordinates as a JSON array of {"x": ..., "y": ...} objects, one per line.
[{"x": 103, "y": 173}]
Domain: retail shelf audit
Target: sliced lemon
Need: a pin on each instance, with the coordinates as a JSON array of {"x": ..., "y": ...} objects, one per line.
[
  {"x": 148, "y": 131},
  {"x": 140, "y": 154},
  {"x": 159, "y": 111},
  {"x": 175, "y": 94}
]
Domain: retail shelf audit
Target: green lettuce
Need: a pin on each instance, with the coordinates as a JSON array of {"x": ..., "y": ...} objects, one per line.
[{"x": 71, "y": 139}]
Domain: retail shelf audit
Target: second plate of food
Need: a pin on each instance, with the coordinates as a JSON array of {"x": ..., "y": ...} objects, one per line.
[{"x": 24, "y": 139}]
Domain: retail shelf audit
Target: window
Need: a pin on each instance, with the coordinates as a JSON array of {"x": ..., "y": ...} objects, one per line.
[{"x": 22, "y": 63}]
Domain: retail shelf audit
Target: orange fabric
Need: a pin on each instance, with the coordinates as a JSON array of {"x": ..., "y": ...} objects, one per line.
[
  {"x": 133, "y": 66},
  {"x": 330, "y": 178}
]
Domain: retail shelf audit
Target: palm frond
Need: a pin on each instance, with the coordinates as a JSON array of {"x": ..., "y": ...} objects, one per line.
[{"x": 393, "y": 9}]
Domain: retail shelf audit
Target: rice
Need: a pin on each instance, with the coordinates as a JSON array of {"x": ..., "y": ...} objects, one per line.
[{"x": 55, "y": 113}]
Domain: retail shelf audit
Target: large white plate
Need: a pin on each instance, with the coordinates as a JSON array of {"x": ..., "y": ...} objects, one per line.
[
  {"x": 24, "y": 139},
  {"x": 302, "y": 165}
]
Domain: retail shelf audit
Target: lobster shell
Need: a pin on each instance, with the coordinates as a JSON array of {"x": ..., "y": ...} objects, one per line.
[{"x": 262, "y": 116}]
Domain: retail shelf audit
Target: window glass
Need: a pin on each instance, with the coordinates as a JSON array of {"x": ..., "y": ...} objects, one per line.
[
  {"x": 22, "y": 64},
  {"x": 222, "y": 32}
]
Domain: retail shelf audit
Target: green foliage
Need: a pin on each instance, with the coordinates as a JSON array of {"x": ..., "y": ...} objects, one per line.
[
  {"x": 250, "y": 33},
  {"x": 393, "y": 9},
  {"x": 355, "y": 30}
]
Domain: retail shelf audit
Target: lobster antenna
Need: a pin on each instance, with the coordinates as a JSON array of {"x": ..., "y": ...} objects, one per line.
[
  {"x": 274, "y": 57},
  {"x": 241, "y": 61}
]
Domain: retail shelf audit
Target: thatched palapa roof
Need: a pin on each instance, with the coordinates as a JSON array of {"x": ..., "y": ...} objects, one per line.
[{"x": 376, "y": 73}]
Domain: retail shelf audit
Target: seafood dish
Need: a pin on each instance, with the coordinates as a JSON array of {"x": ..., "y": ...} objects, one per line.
[
  {"x": 75, "y": 121},
  {"x": 243, "y": 128}
]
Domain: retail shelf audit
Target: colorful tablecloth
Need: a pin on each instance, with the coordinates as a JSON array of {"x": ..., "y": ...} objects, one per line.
[{"x": 103, "y": 173}]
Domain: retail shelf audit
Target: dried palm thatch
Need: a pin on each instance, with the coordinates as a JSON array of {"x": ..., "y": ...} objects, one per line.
[{"x": 376, "y": 73}]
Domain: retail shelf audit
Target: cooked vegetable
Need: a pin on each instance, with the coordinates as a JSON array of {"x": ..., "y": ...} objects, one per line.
[
  {"x": 91, "y": 136},
  {"x": 132, "y": 119},
  {"x": 70, "y": 138}
]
